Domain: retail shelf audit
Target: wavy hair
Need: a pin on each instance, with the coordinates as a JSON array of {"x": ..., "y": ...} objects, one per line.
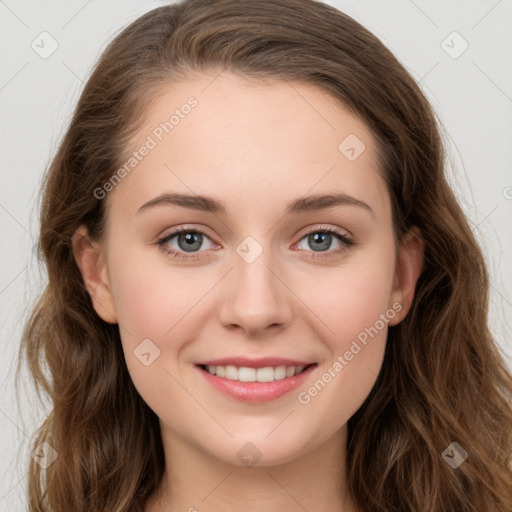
[{"x": 443, "y": 378}]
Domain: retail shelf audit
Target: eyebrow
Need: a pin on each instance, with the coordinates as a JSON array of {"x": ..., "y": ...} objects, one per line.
[{"x": 302, "y": 205}]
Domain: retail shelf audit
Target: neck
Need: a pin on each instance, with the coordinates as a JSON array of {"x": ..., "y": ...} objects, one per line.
[{"x": 197, "y": 482}]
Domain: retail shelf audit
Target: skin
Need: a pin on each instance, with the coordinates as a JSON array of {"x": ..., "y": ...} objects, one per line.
[{"x": 255, "y": 146}]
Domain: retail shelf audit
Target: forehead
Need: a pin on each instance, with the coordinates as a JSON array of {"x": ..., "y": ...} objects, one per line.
[{"x": 250, "y": 142}]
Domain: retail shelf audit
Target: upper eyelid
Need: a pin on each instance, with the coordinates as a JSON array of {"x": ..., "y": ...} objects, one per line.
[
  {"x": 314, "y": 229},
  {"x": 182, "y": 229}
]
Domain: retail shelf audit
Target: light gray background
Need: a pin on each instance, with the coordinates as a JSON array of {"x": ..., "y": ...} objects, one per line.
[{"x": 472, "y": 94}]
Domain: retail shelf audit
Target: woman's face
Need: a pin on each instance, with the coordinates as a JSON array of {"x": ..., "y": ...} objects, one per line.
[{"x": 255, "y": 174}]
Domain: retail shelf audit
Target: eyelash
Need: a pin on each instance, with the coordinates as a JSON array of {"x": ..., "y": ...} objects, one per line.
[{"x": 347, "y": 242}]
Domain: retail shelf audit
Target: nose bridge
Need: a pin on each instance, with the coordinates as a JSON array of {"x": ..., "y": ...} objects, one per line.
[{"x": 256, "y": 297}]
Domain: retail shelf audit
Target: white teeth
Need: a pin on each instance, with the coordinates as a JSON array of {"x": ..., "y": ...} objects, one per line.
[
  {"x": 231, "y": 372},
  {"x": 280, "y": 373},
  {"x": 245, "y": 374},
  {"x": 290, "y": 371},
  {"x": 265, "y": 374}
]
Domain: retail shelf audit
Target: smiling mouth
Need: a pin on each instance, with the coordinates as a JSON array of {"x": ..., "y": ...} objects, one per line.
[{"x": 246, "y": 374}]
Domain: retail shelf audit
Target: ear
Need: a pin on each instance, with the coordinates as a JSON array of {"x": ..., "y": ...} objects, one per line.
[
  {"x": 407, "y": 271},
  {"x": 90, "y": 258}
]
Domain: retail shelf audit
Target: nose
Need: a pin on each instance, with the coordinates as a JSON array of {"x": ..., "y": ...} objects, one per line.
[{"x": 256, "y": 297}]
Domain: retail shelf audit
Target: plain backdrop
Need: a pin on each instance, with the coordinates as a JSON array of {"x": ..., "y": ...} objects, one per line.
[{"x": 459, "y": 51}]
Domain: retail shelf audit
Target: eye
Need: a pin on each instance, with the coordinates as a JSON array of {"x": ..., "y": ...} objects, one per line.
[
  {"x": 320, "y": 240},
  {"x": 187, "y": 241},
  {"x": 184, "y": 240}
]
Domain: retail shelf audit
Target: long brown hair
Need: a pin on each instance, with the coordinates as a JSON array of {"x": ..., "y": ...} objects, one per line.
[{"x": 443, "y": 379}]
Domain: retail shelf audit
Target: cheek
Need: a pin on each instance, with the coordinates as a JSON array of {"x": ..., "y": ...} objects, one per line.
[
  {"x": 352, "y": 297},
  {"x": 154, "y": 306},
  {"x": 353, "y": 305},
  {"x": 151, "y": 298}
]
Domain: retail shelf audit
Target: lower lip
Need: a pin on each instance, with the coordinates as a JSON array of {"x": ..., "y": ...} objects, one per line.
[{"x": 256, "y": 391}]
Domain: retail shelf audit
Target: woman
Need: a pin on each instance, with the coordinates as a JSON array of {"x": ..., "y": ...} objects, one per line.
[{"x": 203, "y": 353}]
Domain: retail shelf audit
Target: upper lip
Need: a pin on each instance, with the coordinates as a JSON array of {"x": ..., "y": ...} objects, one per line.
[{"x": 254, "y": 363}]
